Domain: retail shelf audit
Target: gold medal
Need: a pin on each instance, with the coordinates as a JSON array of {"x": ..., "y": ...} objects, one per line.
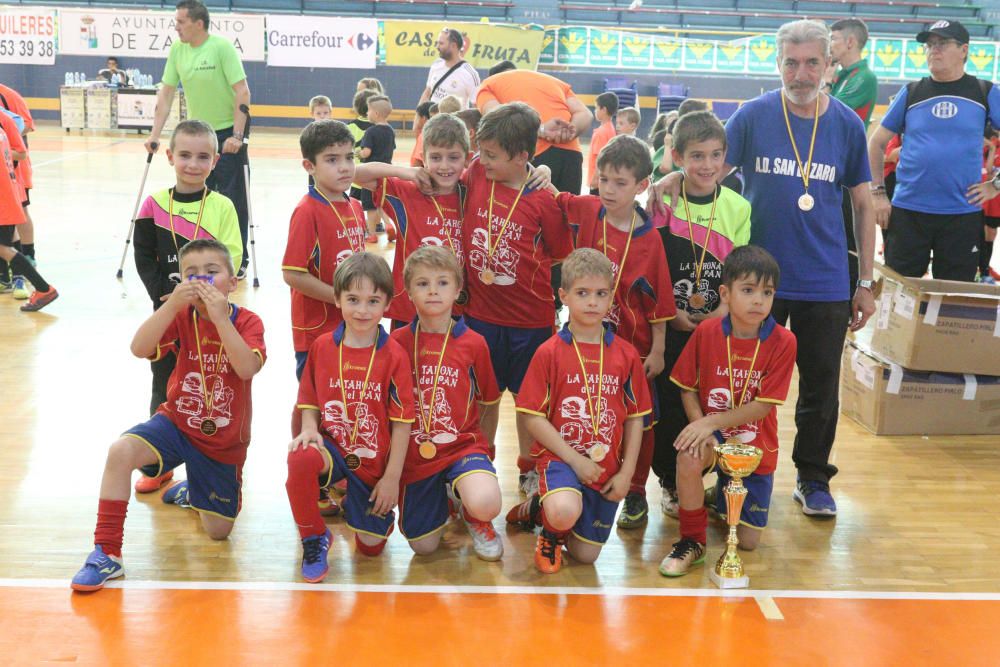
[
  {"x": 427, "y": 449},
  {"x": 806, "y": 202},
  {"x": 208, "y": 427},
  {"x": 697, "y": 301},
  {"x": 487, "y": 276},
  {"x": 463, "y": 297},
  {"x": 598, "y": 452},
  {"x": 353, "y": 461}
]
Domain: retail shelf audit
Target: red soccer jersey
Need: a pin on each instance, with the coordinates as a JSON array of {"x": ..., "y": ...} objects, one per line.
[
  {"x": 554, "y": 388},
  {"x": 645, "y": 293},
  {"x": 11, "y": 212},
  {"x": 449, "y": 420},
  {"x": 210, "y": 389},
  {"x": 703, "y": 367},
  {"x": 520, "y": 259},
  {"x": 362, "y": 427},
  {"x": 419, "y": 222},
  {"x": 317, "y": 242}
]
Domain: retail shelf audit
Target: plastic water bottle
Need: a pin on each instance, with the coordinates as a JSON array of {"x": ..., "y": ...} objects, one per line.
[{"x": 69, "y": 78}]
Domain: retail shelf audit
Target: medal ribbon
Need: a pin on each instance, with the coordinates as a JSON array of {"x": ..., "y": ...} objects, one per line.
[
  {"x": 343, "y": 224},
  {"x": 364, "y": 385},
  {"x": 197, "y": 224},
  {"x": 491, "y": 247},
  {"x": 812, "y": 141},
  {"x": 595, "y": 418},
  {"x": 628, "y": 244},
  {"x": 426, "y": 424},
  {"x": 444, "y": 225},
  {"x": 699, "y": 263},
  {"x": 729, "y": 363},
  {"x": 206, "y": 395}
]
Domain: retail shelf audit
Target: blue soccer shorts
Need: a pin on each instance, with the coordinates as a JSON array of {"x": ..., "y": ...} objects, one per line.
[
  {"x": 511, "y": 349},
  {"x": 357, "y": 508},
  {"x": 423, "y": 505},
  {"x": 598, "y": 515}
]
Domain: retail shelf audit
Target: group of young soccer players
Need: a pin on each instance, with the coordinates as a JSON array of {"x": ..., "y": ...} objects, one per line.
[{"x": 408, "y": 418}]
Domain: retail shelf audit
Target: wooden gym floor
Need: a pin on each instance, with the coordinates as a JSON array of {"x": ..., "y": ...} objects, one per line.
[{"x": 912, "y": 549}]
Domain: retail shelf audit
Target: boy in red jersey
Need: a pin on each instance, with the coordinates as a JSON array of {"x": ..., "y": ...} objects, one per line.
[
  {"x": 455, "y": 393},
  {"x": 11, "y": 216},
  {"x": 732, "y": 373},
  {"x": 422, "y": 219},
  {"x": 513, "y": 234},
  {"x": 643, "y": 295},
  {"x": 327, "y": 227},
  {"x": 205, "y": 421},
  {"x": 583, "y": 400},
  {"x": 357, "y": 410}
]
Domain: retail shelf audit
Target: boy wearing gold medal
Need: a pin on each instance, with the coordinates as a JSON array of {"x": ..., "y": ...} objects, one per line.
[
  {"x": 708, "y": 221},
  {"x": 169, "y": 219},
  {"x": 513, "y": 233},
  {"x": 356, "y": 399},
  {"x": 583, "y": 401},
  {"x": 616, "y": 225},
  {"x": 205, "y": 421},
  {"x": 451, "y": 444},
  {"x": 732, "y": 374}
]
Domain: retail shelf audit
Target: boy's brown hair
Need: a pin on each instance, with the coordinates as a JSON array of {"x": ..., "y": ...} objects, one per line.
[
  {"x": 363, "y": 266},
  {"x": 444, "y": 131},
  {"x": 471, "y": 118},
  {"x": 320, "y": 134},
  {"x": 631, "y": 114},
  {"x": 195, "y": 128},
  {"x": 626, "y": 152},
  {"x": 360, "y": 102},
  {"x": 207, "y": 245},
  {"x": 586, "y": 262},
  {"x": 432, "y": 257},
  {"x": 513, "y": 126},
  {"x": 751, "y": 261},
  {"x": 380, "y": 104},
  {"x": 696, "y": 127},
  {"x": 371, "y": 83}
]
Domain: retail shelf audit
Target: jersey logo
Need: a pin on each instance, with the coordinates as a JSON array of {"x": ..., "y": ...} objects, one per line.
[{"x": 944, "y": 110}]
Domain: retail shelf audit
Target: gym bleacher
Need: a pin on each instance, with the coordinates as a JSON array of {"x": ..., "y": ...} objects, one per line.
[{"x": 884, "y": 17}]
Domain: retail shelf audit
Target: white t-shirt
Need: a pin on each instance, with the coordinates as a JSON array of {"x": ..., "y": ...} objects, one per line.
[{"x": 462, "y": 83}]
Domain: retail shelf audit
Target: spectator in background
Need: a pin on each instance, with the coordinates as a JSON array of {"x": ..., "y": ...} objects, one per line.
[
  {"x": 112, "y": 74},
  {"x": 370, "y": 83},
  {"x": 856, "y": 86},
  {"x": 450, "y": 74},
  {"x": 423, "y": 115},
  {"x": 937, "y": 206}
]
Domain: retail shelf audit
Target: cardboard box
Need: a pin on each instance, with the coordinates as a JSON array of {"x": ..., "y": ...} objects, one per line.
[
  {"x": 888, "y": 399},
  {"x": 937, "y": 325}
]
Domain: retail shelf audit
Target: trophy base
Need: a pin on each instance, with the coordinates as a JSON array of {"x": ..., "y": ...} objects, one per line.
[{"x": 729, "y": 582}]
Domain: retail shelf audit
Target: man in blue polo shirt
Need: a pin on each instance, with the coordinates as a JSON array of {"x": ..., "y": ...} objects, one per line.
[{"x": 937, "y": 206}]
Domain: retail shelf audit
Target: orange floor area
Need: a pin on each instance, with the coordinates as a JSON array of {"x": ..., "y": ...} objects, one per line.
[{"x": 151, "y": 627}]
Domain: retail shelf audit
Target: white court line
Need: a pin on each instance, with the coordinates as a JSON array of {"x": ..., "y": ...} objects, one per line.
[
  {"x": 769, "y": 608},
  {"x": 608, "y": 591}
]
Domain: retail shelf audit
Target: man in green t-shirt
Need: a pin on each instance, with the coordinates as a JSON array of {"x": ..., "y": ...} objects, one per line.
[
  {"x": 856, "y": 86},
  {"x": 215, "y": 87}
]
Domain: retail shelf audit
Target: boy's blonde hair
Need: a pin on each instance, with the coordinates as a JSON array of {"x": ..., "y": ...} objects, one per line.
[
  {"x": 431, "y": 257},
  {"x": 195, "y": 128},
  {"x": 631, "y": 114},
  {"x": 586, "y": 262},
  {"x": 370, "y": 83},
  {"x": 444, "y": 131},
  {"x": 380, "y": 104},
  {"x": 319, "y": 101},
  {"x": 207, "y": 245},
  {"x": 363, "y": 266},
  {"x": 450, "y": 104}
]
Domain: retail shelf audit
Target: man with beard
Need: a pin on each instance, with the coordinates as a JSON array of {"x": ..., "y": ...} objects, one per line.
[
  {"x": 450, "y": 75},
  {"x": 798, "y": 147}
]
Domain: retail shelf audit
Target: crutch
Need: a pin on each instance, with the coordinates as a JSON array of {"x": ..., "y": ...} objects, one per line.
[
  {"x": 135, "y": 211},
  {"x": 246, "y": 186}
]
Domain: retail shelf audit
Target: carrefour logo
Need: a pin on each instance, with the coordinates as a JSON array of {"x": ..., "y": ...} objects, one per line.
[
  {"x": 361, "y": 41},
  {"x": 944, "y": 110}
]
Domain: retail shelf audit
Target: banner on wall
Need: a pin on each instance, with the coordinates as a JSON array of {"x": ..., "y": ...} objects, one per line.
[
  {"x": 148, "y": 34},
  {"x": 321, "y": 41},
  {"x": 578, "y": 46},
  {"x": 27, "y": 36},
  {"x": 412, "y": 43}
]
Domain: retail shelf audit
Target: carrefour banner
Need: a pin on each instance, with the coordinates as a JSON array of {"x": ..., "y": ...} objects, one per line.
[
  {"x": 148, "y": 34},
  {"x": 27, "y": 35},
  {"x": 321, "y": 41},
  {"x": 411, "y": 43},
  {"x": 578, "y": 46}
]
